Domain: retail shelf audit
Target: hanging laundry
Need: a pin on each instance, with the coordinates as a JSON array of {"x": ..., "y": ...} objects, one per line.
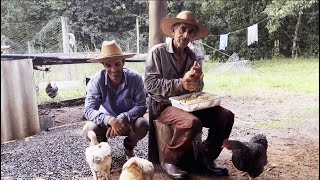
[
  {"x": 252, "y": 34},
  {"x": 223, "y": 41}
]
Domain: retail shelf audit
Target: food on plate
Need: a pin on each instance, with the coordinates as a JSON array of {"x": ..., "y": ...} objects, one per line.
[{"x": 194, "y": 98}]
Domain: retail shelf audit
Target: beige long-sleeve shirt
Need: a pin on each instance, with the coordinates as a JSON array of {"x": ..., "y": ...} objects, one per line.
[{"x": 163, "y": 73}]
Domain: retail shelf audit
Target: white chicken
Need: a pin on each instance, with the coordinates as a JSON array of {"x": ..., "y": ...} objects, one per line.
[
  {"x": 98, "y": 156},
  {"x": 137, "y": 169}
]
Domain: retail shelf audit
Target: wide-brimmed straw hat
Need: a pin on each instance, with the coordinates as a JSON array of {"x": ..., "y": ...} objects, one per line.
[
  {"x": 188, "y": 17},
  {"x": 110, "y": 51}
]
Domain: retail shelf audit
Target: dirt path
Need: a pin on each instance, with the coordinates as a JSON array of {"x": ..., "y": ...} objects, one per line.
[{"x": 290, "y": 122}]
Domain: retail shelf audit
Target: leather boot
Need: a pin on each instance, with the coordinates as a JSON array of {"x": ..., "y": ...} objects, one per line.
[
  {"x": 174, "y": 172},
  {"x": 205, "y": 164}
]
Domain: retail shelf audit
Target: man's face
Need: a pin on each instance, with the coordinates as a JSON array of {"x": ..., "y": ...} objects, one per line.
[
  {"x": 183, "y": 33},
  {"x": 114, "y": 69}
]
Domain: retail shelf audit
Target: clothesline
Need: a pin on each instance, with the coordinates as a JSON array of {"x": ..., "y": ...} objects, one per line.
[
  {"x": 240, "y": 29},
  {"x": 224, "y": 53},
  {"x": 214, "y": 49}
]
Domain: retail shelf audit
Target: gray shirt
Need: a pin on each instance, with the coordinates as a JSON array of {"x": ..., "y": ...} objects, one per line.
[
  {"x": 163, "y": 72},
  {"x": 103, "y": 103}
]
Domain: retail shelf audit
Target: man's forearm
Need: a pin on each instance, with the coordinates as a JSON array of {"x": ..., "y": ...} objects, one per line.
[{"x": 96, "y": 116}]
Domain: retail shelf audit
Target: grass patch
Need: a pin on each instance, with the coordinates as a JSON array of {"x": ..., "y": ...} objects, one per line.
[
  {"x": 280, "y": 123},
  {"x": 63, "y": 94},
  {"x": 294, "y": 76}
]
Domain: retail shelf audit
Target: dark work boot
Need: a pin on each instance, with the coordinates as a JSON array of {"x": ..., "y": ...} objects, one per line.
[
  {"x": 174, "y": 172},
  {"x": 204, "y": 164}
]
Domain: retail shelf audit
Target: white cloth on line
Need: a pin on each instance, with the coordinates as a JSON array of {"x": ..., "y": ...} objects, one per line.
[
  {"x": 252, "y": 34},
  {"x": 223, "y": 41}
]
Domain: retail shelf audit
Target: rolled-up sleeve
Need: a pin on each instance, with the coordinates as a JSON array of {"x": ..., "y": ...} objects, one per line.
[{"x": 93, "y": 102}]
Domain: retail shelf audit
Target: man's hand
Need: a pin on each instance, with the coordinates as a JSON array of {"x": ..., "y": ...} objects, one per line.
[
  {"x": 118, "y": 128},
  {"x": 196, "y": 70},
  {"x": 110, "y": 133},
  {"x": 189, "y": 83},
  {"x": 191, "y": 80}
]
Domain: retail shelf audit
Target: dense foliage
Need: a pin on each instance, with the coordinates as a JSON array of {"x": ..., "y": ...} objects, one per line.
[{"x": 286, "y": 28}]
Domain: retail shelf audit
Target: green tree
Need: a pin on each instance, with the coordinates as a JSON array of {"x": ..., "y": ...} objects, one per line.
[
  {"x": 91, "y": 20},
  {"x": 234, "y": 17},
  {"x": 21, "y": 20},
  {"x": 282, "y": 12}
]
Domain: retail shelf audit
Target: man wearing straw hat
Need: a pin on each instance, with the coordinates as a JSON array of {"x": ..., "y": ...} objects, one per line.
[
  {"x": 172, "y": 69},
  {"x": 116, "y": 100}
]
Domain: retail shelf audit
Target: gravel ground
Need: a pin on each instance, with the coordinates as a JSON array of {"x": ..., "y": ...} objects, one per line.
[
  {"x": 56, "y": 154},
  {"x": 59, "y": 154},
  {"x": 290, "y": 122}
]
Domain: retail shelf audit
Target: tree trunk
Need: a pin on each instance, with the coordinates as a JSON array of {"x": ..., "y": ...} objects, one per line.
[
  {"x": 294, "y": 52},
  {"x": 276, "y": 48}
]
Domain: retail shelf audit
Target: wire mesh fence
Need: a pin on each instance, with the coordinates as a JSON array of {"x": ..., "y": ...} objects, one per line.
[
  {"x": 31, "y": 36},
  {"x": 36, "y": 37},
  {"x": 39, "y": 37}
]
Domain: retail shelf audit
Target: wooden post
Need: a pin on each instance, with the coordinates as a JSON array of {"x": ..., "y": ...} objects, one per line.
[
  {"x": 29, "y": 48},
  {"x": 138, "y": 38},
  {"x": 65, "y": 43},
  {"x": 157, "y": 10}
]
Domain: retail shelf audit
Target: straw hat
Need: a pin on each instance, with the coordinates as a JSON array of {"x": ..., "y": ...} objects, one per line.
[
  {"x": 183, "y": 17},
  {"x": 111, "y": 51}
]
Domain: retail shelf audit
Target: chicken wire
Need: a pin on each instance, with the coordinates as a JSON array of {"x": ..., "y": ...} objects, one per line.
[
  {"x": 36, "y": 37},
  {"x": 32, "y": 36}
]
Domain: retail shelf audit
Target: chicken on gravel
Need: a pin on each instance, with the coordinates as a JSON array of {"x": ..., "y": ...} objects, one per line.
[
  {"x": 137, "y": 169},
  {"x": 250, "y": 157},
  {"x": 98, "y": 156}
]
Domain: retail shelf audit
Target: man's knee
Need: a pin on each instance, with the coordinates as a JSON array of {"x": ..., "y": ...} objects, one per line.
[
  {"x": 88, "y": 126},
  {"x": 91, "y": 126},
  {"x": 226, "y": 115},
  {"x": 230, "y": 118},
  {"x": 141, "y": 126},
  {"x": 195, "y": 124}
]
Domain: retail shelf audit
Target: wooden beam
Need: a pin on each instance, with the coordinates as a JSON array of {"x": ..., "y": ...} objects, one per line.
[{"x": 55, "y": 60}]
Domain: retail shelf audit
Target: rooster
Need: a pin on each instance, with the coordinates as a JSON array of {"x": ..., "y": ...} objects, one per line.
[
  {"x": 52, "y": 90},
  {"x": 98, "y": 156},
  {"x": 137, "y": 169},
  {"x": 250, "y": 157}
]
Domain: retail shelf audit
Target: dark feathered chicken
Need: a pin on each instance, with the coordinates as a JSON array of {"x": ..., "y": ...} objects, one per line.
[
  {"x": 52, "y": 90},
  {"x": 250, "y": 157}
]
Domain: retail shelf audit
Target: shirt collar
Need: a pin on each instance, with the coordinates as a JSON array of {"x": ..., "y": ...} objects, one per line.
[
  {"x": 124, "y": 73},
  {"x": 170, "y": 47}
]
